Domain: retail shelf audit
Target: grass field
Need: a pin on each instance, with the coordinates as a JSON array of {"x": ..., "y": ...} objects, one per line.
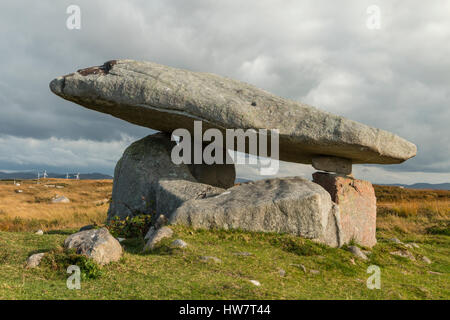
[{"x": 422, "y": 217}]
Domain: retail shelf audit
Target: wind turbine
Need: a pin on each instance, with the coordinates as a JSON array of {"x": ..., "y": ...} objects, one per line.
[
  {"x": 77, "y": 176},
  {"x": 45, "y": 174},
  {"x": 67, "y": 176}
]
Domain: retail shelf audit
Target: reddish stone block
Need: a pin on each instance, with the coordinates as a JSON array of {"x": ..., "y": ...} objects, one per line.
[{"x": 357, "y": 205}]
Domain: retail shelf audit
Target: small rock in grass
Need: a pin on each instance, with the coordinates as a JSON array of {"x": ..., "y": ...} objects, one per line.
[
  {"x": 314, "y": 271},
  {"x": 160, "y": 222},
  {"x": 357, "y": 252},
  {"x": 404, "y": 254},
  {"x": 97, "y": 244},
  {"x": 281, "y": 272},
  {"x": 39, "y": 232},
  {"x": 256, "y": 283},
  {"x": 352, "y": 261},
  {"x": 179, "y": 244},
  {"x": 121, "y": 239},
  {"x": 19, "y": 191},
  {"x": 34, "y": 260},
  {"x": 436, "y": 273},
  {"x": 245, "y": 254},
  {"x": 61, "y": 199},
  {"x": 426, "y": 260},
  {"x": 415, "y": 245},
  {"x": 395, "y": 240},
  {"x": 157, "y": 236},
  {"x": 209, "y": 258},
  {"x": 299, "y": 266}
]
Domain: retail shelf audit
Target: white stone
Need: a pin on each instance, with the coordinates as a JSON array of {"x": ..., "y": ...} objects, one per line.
[
  {"x": 256, "y": 283},
  {"x": 34, "y": 260}
]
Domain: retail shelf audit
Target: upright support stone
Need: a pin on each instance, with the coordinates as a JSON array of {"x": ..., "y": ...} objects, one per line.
[
  {"x": 147, "y": 181},
  {"x": 332, "y": 164},
  {"x": 218, "y": 175},
  {"x": 357, "y": 205}
]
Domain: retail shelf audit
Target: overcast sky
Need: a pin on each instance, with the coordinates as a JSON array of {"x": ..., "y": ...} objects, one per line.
[{"x": 322, "y": 53}]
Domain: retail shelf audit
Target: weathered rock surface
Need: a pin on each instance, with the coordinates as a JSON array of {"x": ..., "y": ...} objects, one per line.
[
  {"x": 97, "y": 244},
  {"x": 332, "y": 164},
  {"x": 34, "y": 260},
  {"x": 161, "y": 221},
  {"x": 357, "y": 205},
  {"x": 147, "y": 181},
  {"x": 156, "y": 237},
  {"x": 165, "y": 98},
  {"x": 289, "y": 205},
  {"x": 179, "y": 244}
]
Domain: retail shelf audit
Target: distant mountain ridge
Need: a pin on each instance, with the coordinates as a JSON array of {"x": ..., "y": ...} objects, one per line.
[
  {"x": 437, "y": 186},
  {"x": 33, "y": 175}
]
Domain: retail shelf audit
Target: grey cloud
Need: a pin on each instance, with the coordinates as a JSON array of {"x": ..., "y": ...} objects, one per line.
[{"x": 320, "y": 53}]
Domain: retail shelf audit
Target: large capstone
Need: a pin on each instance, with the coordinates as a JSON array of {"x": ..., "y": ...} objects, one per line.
[
  {"x": 146, "y": 181},
  {"x": 165, "y": 99},
  {"x": 288, "y": 205}
]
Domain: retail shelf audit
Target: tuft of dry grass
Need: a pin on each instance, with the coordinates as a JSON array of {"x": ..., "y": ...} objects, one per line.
[
  {"x": 32, "y": 208},
  {"x": 412, "y": 211}
]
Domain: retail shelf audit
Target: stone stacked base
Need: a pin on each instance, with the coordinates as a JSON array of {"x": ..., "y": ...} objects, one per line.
[
  {"x": 334, "y": 209},
  {"x": 357, "y": 205}
]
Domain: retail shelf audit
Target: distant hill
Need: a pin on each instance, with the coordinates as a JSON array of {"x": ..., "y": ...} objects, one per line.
[
  {"x": 33, "y": 175},
  {"x": 437, "y": 186}
]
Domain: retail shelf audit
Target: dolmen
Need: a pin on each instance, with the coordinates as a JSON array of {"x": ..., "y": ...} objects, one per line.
[{"x": 334, "y": 208}]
